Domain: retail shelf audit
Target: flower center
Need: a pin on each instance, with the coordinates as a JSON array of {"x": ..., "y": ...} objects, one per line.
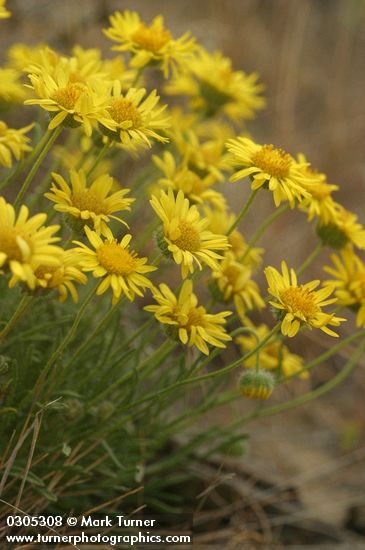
[
  {"x": 189, "y": 237},
  {"x": 273, "y": 161},
  {"x": 87, "y": 200},
  {"x": 115, "y": 259},
  {"x": 16, "y": 245},
  {"x": 300, "y": 300},
  {"x": 68, "y": 95},
  {"x": 196, "y": 317},
  {"x": 151, "y": 38},
  {"x": 123, "y": 110},
  {"x": 47, "y": 272}
]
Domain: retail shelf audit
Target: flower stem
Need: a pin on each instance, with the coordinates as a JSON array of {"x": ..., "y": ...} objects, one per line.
[
  {"x": 243, "y": 212},
  {"x": 310, "y": 396},
  {"x": 102, "y": 153},
  {"x": 310, "y": 258},
  {"x": 261, "y": 230},
  {"x": 22, "y": 308},
  {"x": 214, "y": 374},
  {"x": 58, "y": 352},
  {"x": 41, "y": 151}
]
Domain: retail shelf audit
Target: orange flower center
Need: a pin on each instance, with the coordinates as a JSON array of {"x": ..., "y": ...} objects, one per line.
[
  {"x": 273, "y": 161},
  {"x": 87, "y": 200},
  {"x": 123, "y": 110},
  {"x": 189, "y": 237},
  {"x": 299, "y": 300},
  {"x": 116, "y": 259},
  {"x": 68, "y": 95},
  {"x": 151, "y": 38}
]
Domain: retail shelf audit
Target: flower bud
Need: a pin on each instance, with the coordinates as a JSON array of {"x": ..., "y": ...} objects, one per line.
[{"x": 256, "y": 384}]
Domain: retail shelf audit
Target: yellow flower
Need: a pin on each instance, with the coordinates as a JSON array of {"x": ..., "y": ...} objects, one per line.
[
  {"x": 136, "y": 121},
  {"x": 61, "y": 277},
  {"x": 273, "y": 356},
  {"x": 149, "y": 44},
  {"x": 197, "y": 189},
  {"x": 22, "y": 56},
  {"x": 4, "y": 13},
  {"x": 201, "y": 144},
  {"x": 220, "y": 222},
  {"x": 349, "y": 282},
  {"x": 320, "y": 202},
  {"x": 70, "y": 102},
  {"x": 300, "y": 305},
  {"x": 189, "y": 322},
  {"x": 342, "y": 229},
  {"x": 13, "y": 142},
  {"x": 120, "y": 268},
  {"x": 271, "y": 168},
  {"x": 184, "y": 233},
  {"x": 25, "y": 243},
  {"x": 89, "y": 205},
  {"x": 11, "y": 89},
  {"x": 214, "y": 87},
  {"x": 234, "y": 283}
]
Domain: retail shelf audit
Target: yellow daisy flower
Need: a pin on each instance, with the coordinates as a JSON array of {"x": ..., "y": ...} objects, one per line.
[
  {"x": 136, "y": 121},
  {"x": 25, "y": 243},
  {"x": 214, "y": 87},
  {"x": 118, "y": 266},
  {"x": 270, "y": 168},
  {"x": 349, "y": 282},
  {"x": 196, "y": 188},
  {"x": 320, "y": 202},
  {"x": 11, "y": 89},
  {"x": 71, "y": 103},
  {"x": 342, "y": 229},
  {"x": 4, "y": 13},
  {"x": 300, "y": 305},
  {"x": 273, "y": 356},
  {"x": 88, "y": 205},
  {"x": 234, "y": 283},
  {"x": 61, "y": 277},
  {"x": 189, "y": 323},
  {"x": 13, "y": 143},
  {"x": 185, "y": 235},
  {"x": 220, "y": 222},
  {"x": 22, "y": 56},
  {"x": 201, "y": 145},
  {"x": 149, "y": 44}
]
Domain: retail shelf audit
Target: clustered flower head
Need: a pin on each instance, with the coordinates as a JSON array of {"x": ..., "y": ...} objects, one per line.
[
  {"x": 114, "y": 128},
  {"x": 300, "y": 304},
  {"x": 190, "y": 323}
]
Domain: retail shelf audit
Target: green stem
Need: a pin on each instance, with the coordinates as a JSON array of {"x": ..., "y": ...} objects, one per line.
[
  {"x": 58, "y": 352},
  {"x": 102, "y": 153},
  {"x": 323, "y": 356},
  {"x": 301, "y": 400},
  {"x": 41, "y": 151},
  {"x": 243, "y": 212},
  {"x": 13, "y": 174},
  {"x": 316, "y": 252},
  {"x": 22, "y": 308},
  {"x": 220, "y": 372},
  {"x": 151, "y": 361},
  {"x": 261, "y": 230},
  {"x": 104, "y": 321}
]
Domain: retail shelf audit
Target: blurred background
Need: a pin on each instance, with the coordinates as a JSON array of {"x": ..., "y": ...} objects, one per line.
[{"x": 310, "y": 56}]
